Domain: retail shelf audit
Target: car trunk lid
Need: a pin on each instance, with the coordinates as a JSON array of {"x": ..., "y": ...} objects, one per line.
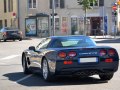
[{"x": 12, "y": 32}]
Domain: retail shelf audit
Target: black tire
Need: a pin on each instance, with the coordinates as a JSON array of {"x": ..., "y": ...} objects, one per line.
[
  {"x": 4, "y": 39},
  {"x": 25, "y": 66},
  {"x": 46, "y": 75},
  {"x": 20, "y": 39},
  {"x": 106, "y": 76}
]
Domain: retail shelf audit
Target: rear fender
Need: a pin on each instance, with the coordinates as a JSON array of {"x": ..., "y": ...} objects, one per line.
[{"x": 51, "y": 58}]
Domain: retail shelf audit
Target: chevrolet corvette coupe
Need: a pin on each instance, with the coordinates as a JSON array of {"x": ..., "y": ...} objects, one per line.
[{"x": 70, "y": 55}]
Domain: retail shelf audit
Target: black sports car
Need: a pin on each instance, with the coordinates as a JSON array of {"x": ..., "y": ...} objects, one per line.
[{"x": 70, "y": 55}]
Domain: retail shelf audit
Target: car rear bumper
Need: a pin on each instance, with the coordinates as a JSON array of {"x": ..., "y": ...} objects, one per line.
[
  {"x": 101, "y": 67},
  {"x": 89, "y": 68},
  {"x": 13, "y": 37}
]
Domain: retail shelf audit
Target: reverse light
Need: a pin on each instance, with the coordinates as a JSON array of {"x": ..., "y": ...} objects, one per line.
[
  {"x": 72, "y": 54},
  {"x": 62, "y": 54},
  {"x": 103, "y": 52},
  {"x": 111, "y": 52}
]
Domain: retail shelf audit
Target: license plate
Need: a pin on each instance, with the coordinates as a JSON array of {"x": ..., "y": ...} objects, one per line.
[
  {"x": 14, "y": 33},
  {"x": 88, "y": 60}
]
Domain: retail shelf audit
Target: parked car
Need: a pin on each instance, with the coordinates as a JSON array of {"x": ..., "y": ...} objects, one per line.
[
  {"x": 7, "y": 33},
  {"x": 70, "y": 55}
]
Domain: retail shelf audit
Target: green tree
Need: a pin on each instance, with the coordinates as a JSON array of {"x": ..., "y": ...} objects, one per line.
[{"x": 85, "y": 6}]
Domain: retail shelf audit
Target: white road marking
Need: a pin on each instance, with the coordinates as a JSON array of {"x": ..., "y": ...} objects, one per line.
[
  {"x": 9, "y": 57},
  {"x": 2, "y": 63},
  {"x": 22, "y": 79}
]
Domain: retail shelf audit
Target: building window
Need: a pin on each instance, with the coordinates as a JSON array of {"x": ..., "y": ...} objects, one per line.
[
  {"x": 62, "y": 4},
  {"x": 74, "y": 26},
  {"x": 58, "y": 4},
  {"x": 10, "y": 5},
  {"x": 32, "y": 3},
  {"x": 5, "y": 6},
  {"x": 1, "y": 25},
  {"x": 5, "y": 22},
  {"x": 101, "y": 2},
  {"x": 57, "y": 24},
  {"x": 96, "y": 3}
]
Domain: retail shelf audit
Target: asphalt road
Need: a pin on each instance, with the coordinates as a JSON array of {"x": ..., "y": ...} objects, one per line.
[{"x": 12, "y": 77}]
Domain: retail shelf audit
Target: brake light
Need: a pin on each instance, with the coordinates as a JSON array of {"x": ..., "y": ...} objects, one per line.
[
  {"x": 103, "y": 52},
  {"x": 111, "y": 52},
  {"x": 62, "y": 54},
  {"x": 72, "y": 54},
  {"x": 5, "y": 33},
  {"x": 68, "y": 62}
]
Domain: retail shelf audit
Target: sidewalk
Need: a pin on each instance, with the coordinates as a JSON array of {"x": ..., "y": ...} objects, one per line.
[
  {"x": 104, "y": 37},
  {"x": 96, "y": 38},
  {"x": 107, "y": 37}
]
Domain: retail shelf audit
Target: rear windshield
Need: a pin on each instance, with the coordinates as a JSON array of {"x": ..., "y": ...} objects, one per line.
[
  {"x": 8, "y": 28},
  {"x": 73, "y": 42}
]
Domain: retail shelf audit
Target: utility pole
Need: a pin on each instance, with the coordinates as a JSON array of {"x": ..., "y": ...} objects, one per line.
[
  {"x": 104, "y": 32},
  {"x": 53, "y": 17},
  {"x": 85, "y": 18}
]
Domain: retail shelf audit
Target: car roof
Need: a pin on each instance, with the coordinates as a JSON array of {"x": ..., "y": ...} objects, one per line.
[
  {"x": 9, "y": 29},
  {"x": 69, "y": 36}
]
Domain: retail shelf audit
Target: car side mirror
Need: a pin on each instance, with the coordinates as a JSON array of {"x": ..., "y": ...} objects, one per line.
[{"x": 32, "y": 48}]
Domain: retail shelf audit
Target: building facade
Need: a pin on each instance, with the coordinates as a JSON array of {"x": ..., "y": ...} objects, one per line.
[
  {"x": 34, "y": 17},
  {"x": 8, "y": 11}
]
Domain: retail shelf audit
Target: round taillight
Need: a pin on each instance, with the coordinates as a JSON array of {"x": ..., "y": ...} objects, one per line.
[
  {"x": 62, "y": 54},
  {"x": 72, "y": 54},
  {"x": 103, "y": 52},
  {"x": 5, "y": 33},
  {"x": 111, "y": 52}
]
